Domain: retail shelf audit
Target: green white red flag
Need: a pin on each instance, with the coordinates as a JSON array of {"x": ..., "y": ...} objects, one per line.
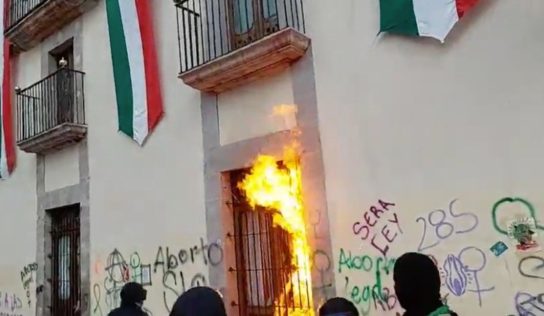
[
  {"x": 135, "y": 67},
  {"x": 430, "y": 18},
  {"x": 7, "y": 143}
]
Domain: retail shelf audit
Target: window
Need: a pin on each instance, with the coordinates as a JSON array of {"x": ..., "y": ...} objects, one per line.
[
  {"x": 263, "y": 258},
  {"x": 65, "y": 232},
  {"x": 252, "y": 20}
]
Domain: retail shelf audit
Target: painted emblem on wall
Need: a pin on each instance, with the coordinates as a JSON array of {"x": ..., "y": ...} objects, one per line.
[{"x": 523, "y": 232}]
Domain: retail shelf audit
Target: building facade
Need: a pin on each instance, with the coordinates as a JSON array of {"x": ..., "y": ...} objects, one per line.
[{"x": 403, "y": 144}]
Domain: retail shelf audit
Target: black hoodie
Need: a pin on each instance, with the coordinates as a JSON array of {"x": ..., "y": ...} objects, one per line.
[{"x": 199, "y": 301}]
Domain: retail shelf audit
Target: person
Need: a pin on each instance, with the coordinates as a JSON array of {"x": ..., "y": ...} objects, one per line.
[
  {"x": 133, "y": 296},
  {"x": 417, "y": 286},
  {"x": 199, "y": 301},
  {"x": 338, "y": 306}
]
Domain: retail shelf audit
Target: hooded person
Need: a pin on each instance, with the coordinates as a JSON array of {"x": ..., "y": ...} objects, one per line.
[
  {"x": 417, "y": 286},
  {"x": 199, "y": 301},
  {"x": 133, "y": 296},
  {"x": 338, "y": 306}
]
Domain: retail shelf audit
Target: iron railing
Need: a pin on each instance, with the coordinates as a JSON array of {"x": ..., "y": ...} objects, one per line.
[
  {"x": 65, "y": 274},
  {"x": 209, "y": 29},
  {"x": 19, "y": 9},
  {"x": 264, "y": 260},
  {"x": 57, "y": 99}
]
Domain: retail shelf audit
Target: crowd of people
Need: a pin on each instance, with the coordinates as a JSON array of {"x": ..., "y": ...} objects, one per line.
[{"x": 417, "y": 287}]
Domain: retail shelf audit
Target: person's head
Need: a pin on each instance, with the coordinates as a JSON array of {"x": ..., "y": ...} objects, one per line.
[
  {"x": 338, "y": 306},
  {"x": 133, "y": 293},
  {"x": 417, "y": 282},
  {"x": 199, "y": 301}
]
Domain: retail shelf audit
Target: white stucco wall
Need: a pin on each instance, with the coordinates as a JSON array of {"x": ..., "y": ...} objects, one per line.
[
  {"x": 143, "y": 200},
  {"x": 248, "y": 111},
  {"x": 420, "y": 124},
  {"x": 62, "y": 168},
  {"x": 18, "y": 218}
]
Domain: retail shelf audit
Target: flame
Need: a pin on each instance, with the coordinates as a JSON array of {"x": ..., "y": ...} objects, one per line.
[{"x": 278, "y": 189}]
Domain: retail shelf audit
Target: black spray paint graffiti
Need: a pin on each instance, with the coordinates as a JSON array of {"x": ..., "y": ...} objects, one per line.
[
  {"x": 532, "y": 267},
  {"x": 173, "y": 277},
  {"x": 28, "y": 275},
  {"x": 529, "y": 305},
  {"x": 167, "y": 268},
  {"x": 119, "y": 272}
]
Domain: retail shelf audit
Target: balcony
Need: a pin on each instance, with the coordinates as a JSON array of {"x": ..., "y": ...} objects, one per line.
[
  {"x": 51, "y": 112},
  {"x": 227, "y": 43},
  {"x": 31, "y": 21}
]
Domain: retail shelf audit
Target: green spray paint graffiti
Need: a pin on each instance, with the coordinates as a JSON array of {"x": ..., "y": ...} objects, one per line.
[
  {"x": 373, "y": 294},
  {"x": 507, "y": 200}
]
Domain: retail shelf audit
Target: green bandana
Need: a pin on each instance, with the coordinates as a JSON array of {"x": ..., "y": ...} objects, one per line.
[{"x": 443, "y": 310}]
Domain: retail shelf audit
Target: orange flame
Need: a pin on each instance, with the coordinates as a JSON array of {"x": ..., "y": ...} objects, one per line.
[{"x": 278, "y": 189}]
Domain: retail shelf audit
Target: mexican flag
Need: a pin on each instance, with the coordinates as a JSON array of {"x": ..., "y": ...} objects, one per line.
[
  {"x": 7, "y": 144},
  {"x": 431, "y": 18},
  {"x": 135, "y": 67}
]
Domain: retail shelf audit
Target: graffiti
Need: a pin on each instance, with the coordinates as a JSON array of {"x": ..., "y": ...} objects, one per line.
[
  {"x": 10, "y": 304},
  {"x": 28, "y": 275},
  {"x": 442, "y": 228},
  {"x": 526, "y": 205},
  {"x": 370, "y": 295},
  {"x": 322, "y": 262},
  {"x": 210, "y": 254},
  {"x": 364, "y": 262},
  {"x": 529, "y": 305},
  {"x": 461, "y": 272},
  {"x": 167, "y": 269},
  {"x": 383, "y": 236},
  {"x": 532, "y": 267}
]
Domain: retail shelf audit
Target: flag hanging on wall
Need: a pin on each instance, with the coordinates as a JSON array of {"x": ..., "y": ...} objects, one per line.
[
  {"x": 135, "y": 67},
  {"x": 7, "y": 143},
  {"x": 431, "y": 18}
]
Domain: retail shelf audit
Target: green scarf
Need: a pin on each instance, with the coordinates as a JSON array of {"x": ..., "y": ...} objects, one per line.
[{"x": 443, "y": 310}]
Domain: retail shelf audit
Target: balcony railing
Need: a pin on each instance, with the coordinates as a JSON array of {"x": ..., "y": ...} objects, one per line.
[
  {"x": 28, "y": 22},
  {"x": 209, "y": 29},
  {"x": 19, "y": 9},
  {"x": 51, "y": 112}
]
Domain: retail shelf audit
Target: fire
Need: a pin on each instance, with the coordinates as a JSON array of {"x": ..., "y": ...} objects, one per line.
[{"x": 278, "y": 189}]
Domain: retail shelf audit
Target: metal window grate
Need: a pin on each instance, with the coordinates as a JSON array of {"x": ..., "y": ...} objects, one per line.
[
  {"x": 209, "y": 29},
  {"x": 263, "y": 259},
  {"x": 65, "y": 281}
]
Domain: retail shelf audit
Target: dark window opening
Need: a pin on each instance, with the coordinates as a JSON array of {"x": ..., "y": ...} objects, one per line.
[
  {"x": 63, "y": 61},
  {"x": 264, "y": 262},
  {"x": 252, "y": 20},
  {"x": 65, "y": 254}
]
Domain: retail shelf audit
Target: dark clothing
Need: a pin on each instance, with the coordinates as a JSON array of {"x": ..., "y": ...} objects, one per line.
[
  {"x": 132, "y": 294},
  {"x": 128, "y": 310},
  {"x": 338, "y": 306},
  {"x": 417, "y": 285},
  {"x": 199, "y": 301}
]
